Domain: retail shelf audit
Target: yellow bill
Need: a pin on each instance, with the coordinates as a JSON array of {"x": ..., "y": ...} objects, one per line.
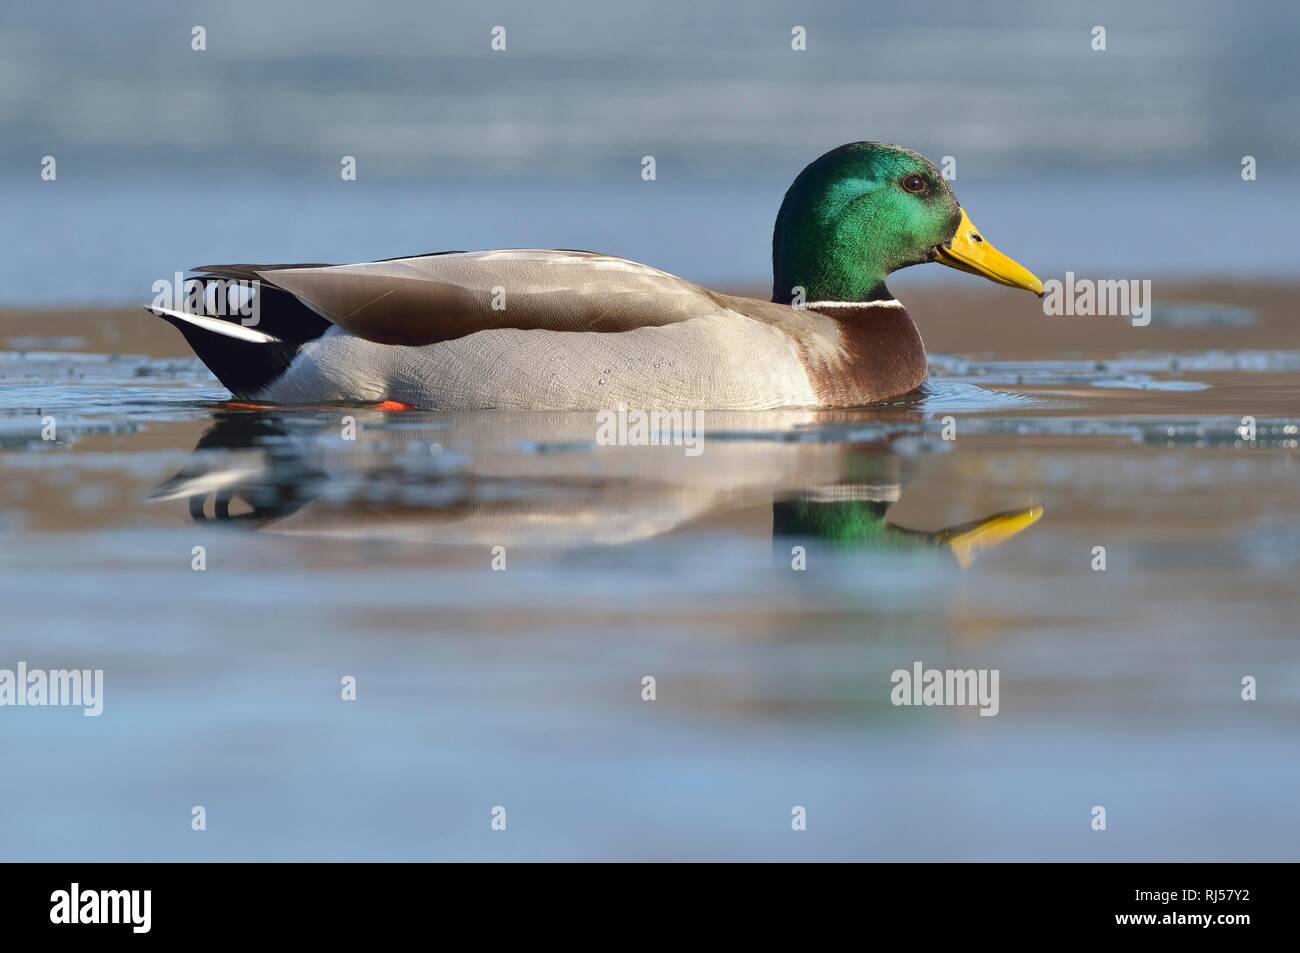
[
  {"x": 967, "y": 542},
  {"x": 969, "y": 252}
]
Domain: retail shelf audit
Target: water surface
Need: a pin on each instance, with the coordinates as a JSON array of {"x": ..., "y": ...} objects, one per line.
[{"x": 477, "y": 688}]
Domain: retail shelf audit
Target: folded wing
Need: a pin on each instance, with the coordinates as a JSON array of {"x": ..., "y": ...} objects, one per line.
[{"x": 431, "y": 298}]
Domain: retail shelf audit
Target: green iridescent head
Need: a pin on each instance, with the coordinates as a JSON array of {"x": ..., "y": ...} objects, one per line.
[{"x": 865, "y": 210}]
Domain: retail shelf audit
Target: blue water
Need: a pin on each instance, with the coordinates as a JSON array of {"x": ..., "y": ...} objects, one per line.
[
  {"x": 521, "y": 688},
  {"x": 107, "y": 243}
]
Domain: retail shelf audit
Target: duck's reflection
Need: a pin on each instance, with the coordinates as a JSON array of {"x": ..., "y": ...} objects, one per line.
[
  {"x": 537, "y": 480},
  {"x": 856, "y": 517}
]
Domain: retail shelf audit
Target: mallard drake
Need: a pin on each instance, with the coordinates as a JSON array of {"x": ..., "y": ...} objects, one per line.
[{"x": 572, "y": 330}]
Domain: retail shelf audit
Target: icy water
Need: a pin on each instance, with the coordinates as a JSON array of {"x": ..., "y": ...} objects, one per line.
[{"x": 523, "y": 687}]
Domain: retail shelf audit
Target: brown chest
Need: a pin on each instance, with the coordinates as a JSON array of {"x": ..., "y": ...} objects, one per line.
[{"x": 880, "y": 356}]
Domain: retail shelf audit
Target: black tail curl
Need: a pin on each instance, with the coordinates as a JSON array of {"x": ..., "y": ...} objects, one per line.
[{"x": 246, "y": 364}]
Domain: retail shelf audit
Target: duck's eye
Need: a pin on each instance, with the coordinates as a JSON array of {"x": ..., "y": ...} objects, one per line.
[{"x": 914, "y": 183}]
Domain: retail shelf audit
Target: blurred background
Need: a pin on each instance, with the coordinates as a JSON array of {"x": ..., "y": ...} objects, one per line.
[{"x": 1125, "y": 161}]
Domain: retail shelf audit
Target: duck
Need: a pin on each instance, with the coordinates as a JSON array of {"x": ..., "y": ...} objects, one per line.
[{"x": 560, "y": 329}]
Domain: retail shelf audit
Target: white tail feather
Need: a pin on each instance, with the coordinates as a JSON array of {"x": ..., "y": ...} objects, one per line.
[{"x": 217, "y": 326}]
